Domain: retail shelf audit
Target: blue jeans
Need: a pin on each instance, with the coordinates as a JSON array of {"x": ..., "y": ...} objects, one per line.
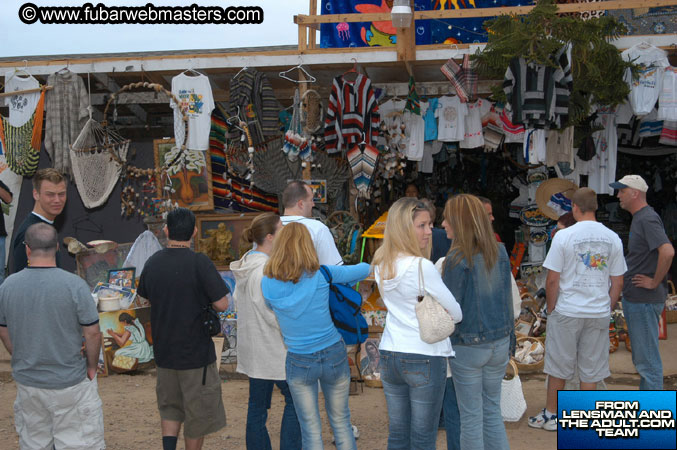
[
  {"x": 330, "y": 367},
  {"x": 452, "y": 418},
  {"x": 2, "y": 257},
  {"x": 413, "y": 385},
  {"x": 642, "y": 320},
  {"x": 260, "y": 394},
  {"x": 477, "y": 373}
]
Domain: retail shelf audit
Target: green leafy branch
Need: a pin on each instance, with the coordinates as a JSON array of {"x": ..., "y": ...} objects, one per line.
[{"x": 597, "y": 66}]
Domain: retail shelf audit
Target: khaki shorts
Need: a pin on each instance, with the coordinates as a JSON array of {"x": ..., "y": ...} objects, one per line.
[
  {"x": 572, "y": 341},
  {"x": 70, "y": 418},
  {"x": 181, "y": 397}
]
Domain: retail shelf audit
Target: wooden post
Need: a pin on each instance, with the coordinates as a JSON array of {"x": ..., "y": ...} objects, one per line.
[
  {"x": 312, "y": 30},
  {"x": 303, "y": 87},
  {"x": 303, "y": 38}
]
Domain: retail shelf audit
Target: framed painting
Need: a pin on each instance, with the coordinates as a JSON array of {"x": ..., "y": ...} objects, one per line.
[
  {"x": 127, "y": 340},
  {"x": 190, "y": 176},
  {"x": 218, "y": 237},
  {"x": 123, "y": 277},
  {"x": 93, "y": 267}
]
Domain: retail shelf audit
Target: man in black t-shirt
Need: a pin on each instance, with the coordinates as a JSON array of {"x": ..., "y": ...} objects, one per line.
[
  {"x": 6, "y": 197},
  {"x": 49, "y": 193},
  {"x": 179, "y": 283}
]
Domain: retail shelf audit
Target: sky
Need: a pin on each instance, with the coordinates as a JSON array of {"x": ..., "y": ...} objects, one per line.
[{"x": 19, "y": 39}]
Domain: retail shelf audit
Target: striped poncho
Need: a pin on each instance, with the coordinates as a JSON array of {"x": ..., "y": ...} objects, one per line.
[{"x": 352, "y": 114}]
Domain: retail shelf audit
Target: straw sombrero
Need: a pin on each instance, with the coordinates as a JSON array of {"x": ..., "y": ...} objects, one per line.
[{"x": 549, "y": 188}]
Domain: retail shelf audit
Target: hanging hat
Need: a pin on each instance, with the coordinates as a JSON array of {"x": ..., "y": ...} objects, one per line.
[{"x": 562, "y": 190}]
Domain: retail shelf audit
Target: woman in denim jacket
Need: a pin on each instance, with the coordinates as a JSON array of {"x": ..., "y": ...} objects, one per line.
[
  {"x": 477, "y": 272},
  {"x": 413, "y": 372}
]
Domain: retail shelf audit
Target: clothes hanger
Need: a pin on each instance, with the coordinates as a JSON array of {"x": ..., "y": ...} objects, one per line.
[
  {"x": 240, "y": 71},
  {"x": 19, "y": 72},
  {"x": 351, "y": 71},
  {"x": 190, "y": 69},
  {"x": 65, "y": 69},
  {"x": 311, "y": 79}
]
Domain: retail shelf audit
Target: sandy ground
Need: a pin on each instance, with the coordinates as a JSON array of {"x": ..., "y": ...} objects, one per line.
[{"x": 132, "y": 421}]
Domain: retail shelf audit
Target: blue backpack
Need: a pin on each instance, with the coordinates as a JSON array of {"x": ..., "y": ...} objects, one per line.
[{"x": 345, "y": 304}]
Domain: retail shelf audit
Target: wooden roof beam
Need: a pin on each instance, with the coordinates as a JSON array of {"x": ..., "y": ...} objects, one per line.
[{"x": 483, "y": 12}]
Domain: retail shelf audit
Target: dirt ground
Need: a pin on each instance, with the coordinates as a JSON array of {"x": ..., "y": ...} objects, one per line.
[{"x": 132, "y": 421}]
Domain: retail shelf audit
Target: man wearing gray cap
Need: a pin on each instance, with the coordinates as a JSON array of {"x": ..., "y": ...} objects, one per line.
[{"x": 645, "y": 284}]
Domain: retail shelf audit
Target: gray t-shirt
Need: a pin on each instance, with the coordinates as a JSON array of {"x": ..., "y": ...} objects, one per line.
[
  {"x": 646, "y": 235},
  {"x": 44, "y": 310}
]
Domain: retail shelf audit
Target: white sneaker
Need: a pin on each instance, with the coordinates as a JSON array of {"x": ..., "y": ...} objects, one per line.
[
  {"x": 543, "y": 421},
  {"x": 356, "y": 433}
]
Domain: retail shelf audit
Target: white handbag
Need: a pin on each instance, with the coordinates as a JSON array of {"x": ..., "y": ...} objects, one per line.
[
  {"x": 434, "y": 322},
  {"x": 513, "y": 404}
]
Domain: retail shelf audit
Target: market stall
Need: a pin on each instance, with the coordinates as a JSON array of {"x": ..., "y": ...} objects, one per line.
[{"x": 222, "y": 132}]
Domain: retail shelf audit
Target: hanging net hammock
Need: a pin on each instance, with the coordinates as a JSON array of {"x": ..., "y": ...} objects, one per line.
[{"x": 95, "y": 169}]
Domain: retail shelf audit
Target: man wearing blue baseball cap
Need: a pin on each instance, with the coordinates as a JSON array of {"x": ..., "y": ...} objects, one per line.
[{"x": 645, "y": 283}]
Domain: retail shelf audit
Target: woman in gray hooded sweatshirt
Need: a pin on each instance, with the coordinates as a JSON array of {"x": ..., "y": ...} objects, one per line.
[{"x": 261, "y": 352}]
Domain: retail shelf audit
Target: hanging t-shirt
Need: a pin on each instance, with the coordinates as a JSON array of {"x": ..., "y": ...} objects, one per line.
[
  {"x": 601, "y": 169},
  {"x": 393, "y": 125},
  {"x": 416, "y": 130},
  {"x": 560, "y": 147},
  {"x": 430, "y": 149},
  {"x": 586, "y": 254},
  {"x": 430, "y": 119},
  {"x": 645, "y": 90},
  {"x": 195, "y": 95},
  {"x": 21, "y": 106},
  {"x": 473, "y": 136},
  {"x": 534, "y": 146},
  {"x": 667, "y": 100},
  {"x": 451, "y": 119}
]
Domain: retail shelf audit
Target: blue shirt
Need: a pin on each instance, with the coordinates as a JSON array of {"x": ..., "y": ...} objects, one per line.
[
  {"x": 431, "y": 120},
  {"x": 302, "y": 309}
]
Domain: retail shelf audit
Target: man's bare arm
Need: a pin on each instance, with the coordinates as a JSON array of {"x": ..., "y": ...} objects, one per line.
[{"x": 92, "y": 348}]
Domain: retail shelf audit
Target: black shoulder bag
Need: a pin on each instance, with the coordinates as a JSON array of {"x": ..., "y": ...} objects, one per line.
[{"x": 211, "y": 324}]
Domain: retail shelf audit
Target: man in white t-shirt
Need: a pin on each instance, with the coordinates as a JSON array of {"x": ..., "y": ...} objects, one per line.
[
  {"x": 585, "y": 277},
  {"x": 297, "y": 200}
]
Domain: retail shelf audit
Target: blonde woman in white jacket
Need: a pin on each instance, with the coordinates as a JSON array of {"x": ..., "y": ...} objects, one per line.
[
  {"x": 261, "y": 353},
  {"x": 413, "y": 372}
]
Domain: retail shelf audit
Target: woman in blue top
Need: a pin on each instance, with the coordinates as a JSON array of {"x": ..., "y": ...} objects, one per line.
[
  {"x": 298, "y": 294},
  {"x": 477, "y": 271}
]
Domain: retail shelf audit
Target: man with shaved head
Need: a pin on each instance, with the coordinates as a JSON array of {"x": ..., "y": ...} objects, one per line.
[
  {"x": 645, "y": 287},
  {"x": 44, "y": 313}
]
